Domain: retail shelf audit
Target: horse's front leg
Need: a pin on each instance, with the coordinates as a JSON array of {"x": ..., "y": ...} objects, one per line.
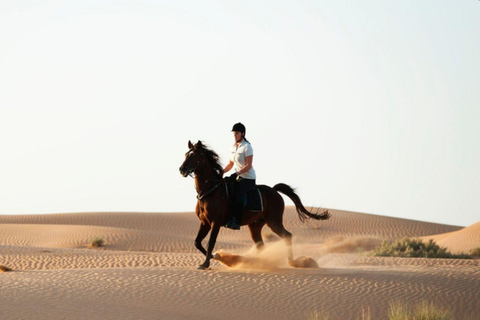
[
  {"x": 211, "y": 245},
  {"x": 202, "y": 233}
]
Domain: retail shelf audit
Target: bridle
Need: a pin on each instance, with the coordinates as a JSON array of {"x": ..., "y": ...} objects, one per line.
[
  {"x": 192, "y": 171},
  {"x": 200, "y": 194}
]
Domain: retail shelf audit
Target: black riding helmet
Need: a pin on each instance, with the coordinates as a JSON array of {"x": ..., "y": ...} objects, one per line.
[{"x": 239, "y": 127}]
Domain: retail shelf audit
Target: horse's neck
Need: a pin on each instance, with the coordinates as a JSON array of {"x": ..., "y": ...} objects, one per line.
[
  {"x": 202, "y": 178},
  {"x": 199, "y": 183}
]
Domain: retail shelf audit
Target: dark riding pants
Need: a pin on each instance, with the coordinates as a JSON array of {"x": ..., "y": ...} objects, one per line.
[{"x": 242, "y": 187}]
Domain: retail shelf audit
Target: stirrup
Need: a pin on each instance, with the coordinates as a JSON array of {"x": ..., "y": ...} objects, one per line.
[{"x": 232, "y": 224}]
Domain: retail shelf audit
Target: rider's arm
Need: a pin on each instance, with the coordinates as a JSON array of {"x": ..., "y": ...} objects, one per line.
[{"x": 228, "y": 167}]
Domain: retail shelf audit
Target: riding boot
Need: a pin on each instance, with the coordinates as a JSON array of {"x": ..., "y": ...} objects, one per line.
[{"x": 235, "y": 218}]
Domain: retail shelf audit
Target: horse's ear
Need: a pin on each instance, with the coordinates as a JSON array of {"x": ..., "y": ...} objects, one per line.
[
  {"x": 190, "y": 145},
  {"x": 199, "y": 143}
]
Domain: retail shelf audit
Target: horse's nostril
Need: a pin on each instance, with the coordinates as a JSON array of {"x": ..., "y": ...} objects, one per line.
[{"x": 183, "y": 171}]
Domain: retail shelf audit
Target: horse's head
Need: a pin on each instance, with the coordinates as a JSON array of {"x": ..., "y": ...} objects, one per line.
[
  {"x": 193, "y": 158},
  {"x": 200, "y": 158}
]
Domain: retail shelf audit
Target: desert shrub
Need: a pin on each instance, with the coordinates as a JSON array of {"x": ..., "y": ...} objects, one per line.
[
  {"x": 97, "y": 242},
  {"x": 415, "y": 248},
  {"x": 422, "y": 311},
  {"x": 4, "y": 269},
  {"x": 475, "y": 252}
]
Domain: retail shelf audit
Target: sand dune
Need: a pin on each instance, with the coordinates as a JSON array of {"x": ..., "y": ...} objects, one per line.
[
  {"x": 459, "y": 241},
  {"x": 147, "y": 270}
]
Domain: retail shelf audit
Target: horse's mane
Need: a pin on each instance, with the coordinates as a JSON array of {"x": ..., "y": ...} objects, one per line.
[{"x": 213, "y": 158}]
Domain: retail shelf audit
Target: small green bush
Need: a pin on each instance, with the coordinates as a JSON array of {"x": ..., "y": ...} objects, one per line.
[
  {"x": 415, "y": 248},
  {"x": 97, "y": 242}
]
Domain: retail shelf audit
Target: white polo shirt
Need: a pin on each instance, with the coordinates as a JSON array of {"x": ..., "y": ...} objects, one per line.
[{"x": 238, "y": 155}]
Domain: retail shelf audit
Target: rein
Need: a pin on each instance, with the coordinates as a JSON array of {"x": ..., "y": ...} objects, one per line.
[{"x": 200, "y": 196}]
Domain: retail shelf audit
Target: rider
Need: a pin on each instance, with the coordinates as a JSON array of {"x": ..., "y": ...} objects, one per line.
[{"x": 241, "y": 159}]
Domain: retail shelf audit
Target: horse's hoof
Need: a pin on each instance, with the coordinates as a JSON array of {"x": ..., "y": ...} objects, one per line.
[{"x": 203, "y": 268}]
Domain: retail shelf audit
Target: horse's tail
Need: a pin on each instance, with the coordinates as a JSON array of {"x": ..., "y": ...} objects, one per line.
[{"x": 302, "y": 212}]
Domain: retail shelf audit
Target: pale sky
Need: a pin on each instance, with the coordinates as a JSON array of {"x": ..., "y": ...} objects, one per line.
[{"x": 368, "y": 106}]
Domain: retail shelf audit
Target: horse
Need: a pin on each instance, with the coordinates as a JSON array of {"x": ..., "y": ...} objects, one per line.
[{"x": 213, "y": 207}]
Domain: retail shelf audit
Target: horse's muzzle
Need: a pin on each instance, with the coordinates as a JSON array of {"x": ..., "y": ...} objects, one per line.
[{"x": 184, "y": 171}]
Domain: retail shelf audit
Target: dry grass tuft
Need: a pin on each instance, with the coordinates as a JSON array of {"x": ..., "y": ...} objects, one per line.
[
  {"x": 319, "y": 315},
  {"x": 97, "y": 242},
  {"x": 399, "y": 311},
  {"x": 422, "y": 311}
]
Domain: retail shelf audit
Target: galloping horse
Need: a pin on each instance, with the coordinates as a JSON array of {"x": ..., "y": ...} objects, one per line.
[{"x": 213, "y": 205}]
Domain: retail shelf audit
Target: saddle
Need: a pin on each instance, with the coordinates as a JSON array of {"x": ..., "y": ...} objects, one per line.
[{"x": 253, "y": 201}]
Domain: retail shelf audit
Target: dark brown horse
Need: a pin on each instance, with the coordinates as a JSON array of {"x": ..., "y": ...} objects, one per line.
[{"x": 213, "y": 207}]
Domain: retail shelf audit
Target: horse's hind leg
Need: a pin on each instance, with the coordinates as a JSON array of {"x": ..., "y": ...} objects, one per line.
[
  {"x": 280, "y": 230},
  {"x": 256, "y": 233}
]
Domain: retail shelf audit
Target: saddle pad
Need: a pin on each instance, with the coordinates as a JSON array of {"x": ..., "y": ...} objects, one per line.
[{"x": 254, "y": 200}]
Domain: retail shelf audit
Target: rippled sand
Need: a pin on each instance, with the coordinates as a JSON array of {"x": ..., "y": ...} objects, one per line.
[{"x": 147, "y": 269}]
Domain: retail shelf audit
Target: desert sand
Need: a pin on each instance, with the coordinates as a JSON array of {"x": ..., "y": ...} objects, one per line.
[{"x": 147, "y": 268}]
